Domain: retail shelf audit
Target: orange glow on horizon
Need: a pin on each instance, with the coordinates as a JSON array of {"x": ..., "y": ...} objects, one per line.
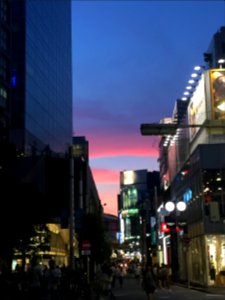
[
  {"x": 112, "y": 145},
  {"x": 109, "y": 198},
  {"x": 109, "y": 148},
  {"x": 106, "y": 176}
]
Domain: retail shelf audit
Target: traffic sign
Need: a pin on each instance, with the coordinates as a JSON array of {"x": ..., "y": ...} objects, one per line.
[{"x": 86, "y": 245}]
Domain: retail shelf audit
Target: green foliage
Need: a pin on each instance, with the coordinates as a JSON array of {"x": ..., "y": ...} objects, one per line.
[{"x": 34, "y": 241}]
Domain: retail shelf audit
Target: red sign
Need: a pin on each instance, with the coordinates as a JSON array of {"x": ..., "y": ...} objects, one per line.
[
  {"x": 164, "y": 228},
  {"x": 86, "y": 245}
]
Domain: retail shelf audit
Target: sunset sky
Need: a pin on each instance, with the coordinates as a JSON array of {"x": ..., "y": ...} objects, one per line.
[{"x": 131, "y": 61}]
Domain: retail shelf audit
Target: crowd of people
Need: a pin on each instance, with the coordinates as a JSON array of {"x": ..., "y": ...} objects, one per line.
[
  {"x": 52, "y": 282},
  {"x": 44, "y": 282}
]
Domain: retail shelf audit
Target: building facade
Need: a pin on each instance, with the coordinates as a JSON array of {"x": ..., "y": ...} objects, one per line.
[
  {"x": 5, "y": 60},
  {"x": 41, "y": 76},
  {"x": 137, "y": 213},
  {"x": 195, "y": 175},
  {"x": 35, "y": 111}
]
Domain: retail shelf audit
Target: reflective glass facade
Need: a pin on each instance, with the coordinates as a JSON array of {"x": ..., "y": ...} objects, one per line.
[
  {"x": 42, "y": 97},
  {"x": 4, "y": 63}
]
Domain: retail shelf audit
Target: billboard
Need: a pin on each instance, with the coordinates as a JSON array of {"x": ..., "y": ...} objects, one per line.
[
  {"x": 197, "y": 108},
  {"x": 217, "y": 91},
  {"x": 133, "y": 177}
]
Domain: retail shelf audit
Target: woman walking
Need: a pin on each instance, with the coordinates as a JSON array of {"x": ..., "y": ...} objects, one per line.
[{"x": 148, "y": 282}]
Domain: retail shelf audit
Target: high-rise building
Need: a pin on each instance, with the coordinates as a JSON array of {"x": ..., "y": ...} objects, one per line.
[
  {"x": 35, "y": 114},
  {"x": 137, "y": 213},
  {"x": 5, "y": 50},
  {"x": 41, "y": 76}
]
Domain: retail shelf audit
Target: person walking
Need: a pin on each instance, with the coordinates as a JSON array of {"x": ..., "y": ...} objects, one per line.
[
  {"x": 34, "y": 279},
  {"x": 137, "y": 273},
  {"x": 121, "y": 275},
  {"x": 148, "y": 282},
  {"x": 53, "y": 276}
]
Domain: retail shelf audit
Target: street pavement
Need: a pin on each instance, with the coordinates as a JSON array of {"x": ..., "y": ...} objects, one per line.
[{"x": 132, "y": 290}]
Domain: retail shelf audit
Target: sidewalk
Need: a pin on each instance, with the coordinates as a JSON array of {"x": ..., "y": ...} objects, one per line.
[{"x": 220, "y": 290}]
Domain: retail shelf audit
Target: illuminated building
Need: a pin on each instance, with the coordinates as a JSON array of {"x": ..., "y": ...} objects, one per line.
[
  {"x": 137, "y": 212},
  {"x": 192, "y": 169}
]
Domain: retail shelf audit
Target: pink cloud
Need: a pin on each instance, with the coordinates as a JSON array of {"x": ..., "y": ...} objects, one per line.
[{"x": 106, "y": 144}]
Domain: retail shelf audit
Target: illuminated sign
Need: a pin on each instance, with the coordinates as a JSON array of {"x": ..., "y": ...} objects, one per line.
[
  {"x": 197, "y": 108},
  {"x": 164, "y": 228},
  {"x": 133, "y": 177},
  {"x": 217, "y": 86},
  {"x": 130, "y": 212},
  {"x": 128, "y": 177},
  {"x": 187, "y": 196}
]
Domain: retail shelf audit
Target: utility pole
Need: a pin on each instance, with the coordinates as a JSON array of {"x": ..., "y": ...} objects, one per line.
[
  {"x": 143, "y": 237},
  {"x": 156, "y": 222},
  {"x": 72, "y": 210}
]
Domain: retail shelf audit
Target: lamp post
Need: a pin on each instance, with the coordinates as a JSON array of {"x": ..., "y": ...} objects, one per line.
[
  {"x": 176, "y": 208},
  {"x": 143, "y": 215}
]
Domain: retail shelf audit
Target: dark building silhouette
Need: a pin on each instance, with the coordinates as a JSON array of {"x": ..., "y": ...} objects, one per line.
[
  {"x": 35, "y": 114},
  {"x": 216, "y": 49}
]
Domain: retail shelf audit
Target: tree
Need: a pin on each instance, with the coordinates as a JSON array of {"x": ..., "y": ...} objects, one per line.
[{"x": 33, "y": 241}]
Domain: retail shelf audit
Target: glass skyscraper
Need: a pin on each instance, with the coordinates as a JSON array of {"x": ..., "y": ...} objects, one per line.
[{"x": 41, "y": 76}]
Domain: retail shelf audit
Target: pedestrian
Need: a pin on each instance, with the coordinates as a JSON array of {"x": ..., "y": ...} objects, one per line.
[
  {"x": 148, "y": 282},
  {"x": 34, "y": 279},
  {"x": 53, "y": 276},
  {"x": 121, "y": 275},
  {"x": 106, "y": 279},
  {"x": 114, "y": 273},
  {"x": 165, "y": 276},
  {"x": 157, "y": 276},
  {"x": 137, "y": 273}
]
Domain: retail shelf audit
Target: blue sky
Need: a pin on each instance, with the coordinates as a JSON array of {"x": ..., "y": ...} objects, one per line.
[{"x": 131, "y": 61}]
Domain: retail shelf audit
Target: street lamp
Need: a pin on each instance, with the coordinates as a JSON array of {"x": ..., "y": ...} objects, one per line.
[
  {"x": 71, "y": 210},
  {"x": 174, "y": 207},
  {"x": 171, "y": 206},
  {"x": 221, "y": 62}
]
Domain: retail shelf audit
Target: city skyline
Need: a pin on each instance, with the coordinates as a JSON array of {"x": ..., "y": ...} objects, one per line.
[{"x": 131, "y": 62}]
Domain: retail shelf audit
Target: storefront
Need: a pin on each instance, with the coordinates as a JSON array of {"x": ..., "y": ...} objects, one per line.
[{"x": 215, "y": 249}]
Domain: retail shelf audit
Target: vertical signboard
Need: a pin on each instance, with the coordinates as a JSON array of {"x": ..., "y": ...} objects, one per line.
[{"x": 197, "y": 108}]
